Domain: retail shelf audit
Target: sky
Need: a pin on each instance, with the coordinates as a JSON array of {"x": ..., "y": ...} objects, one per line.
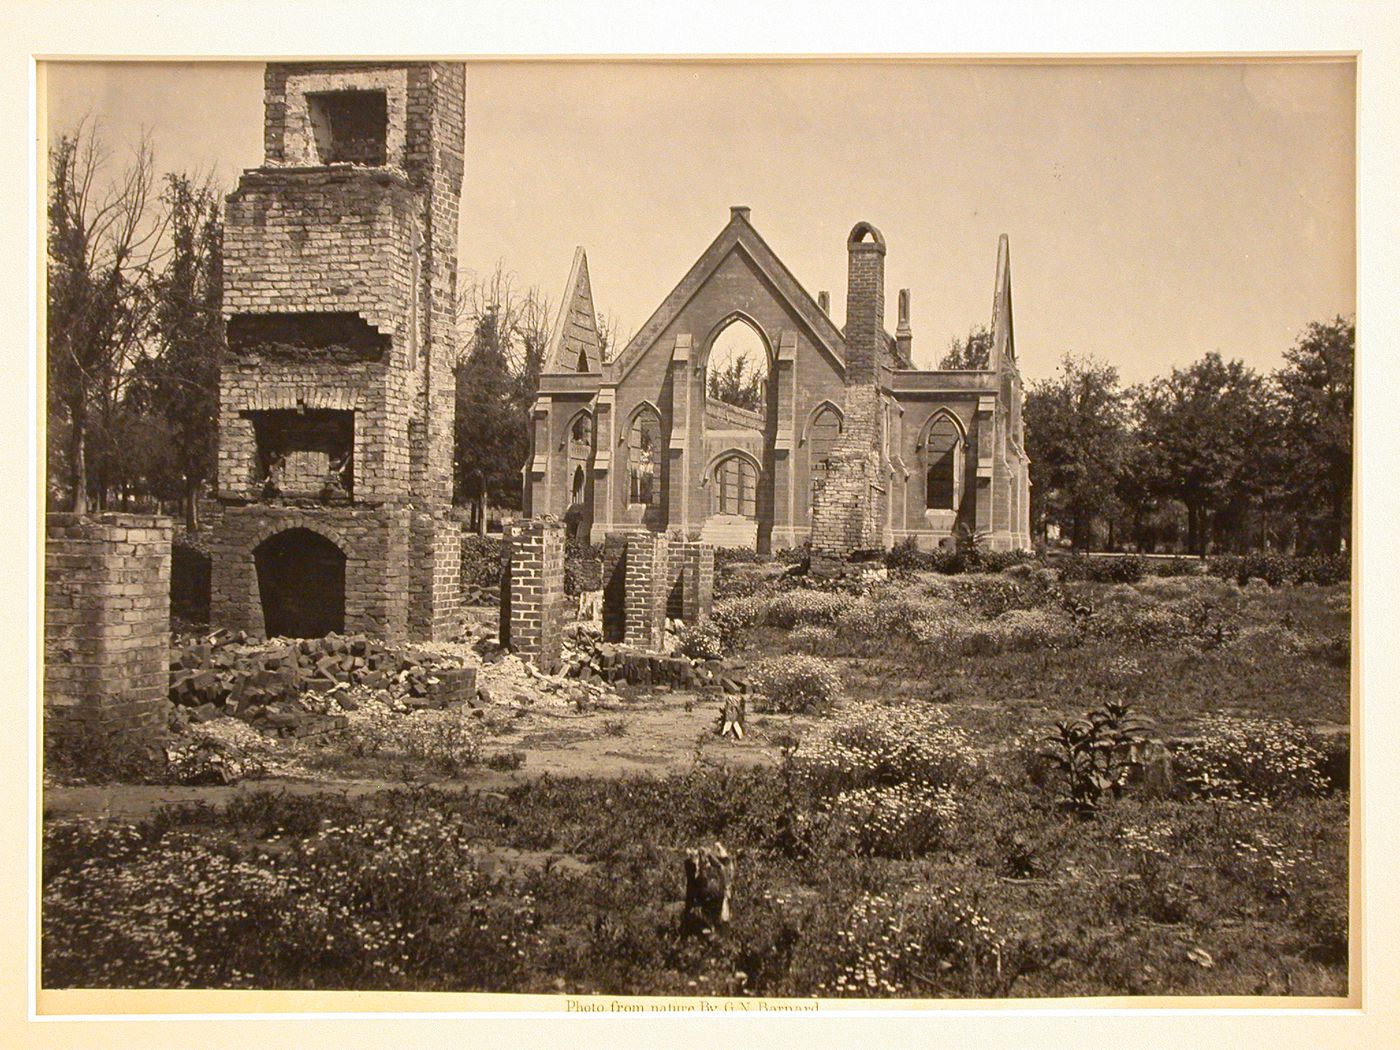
[{"x": 1156, "y": 211}]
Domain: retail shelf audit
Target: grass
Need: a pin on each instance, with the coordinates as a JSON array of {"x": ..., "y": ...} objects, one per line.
[
  {"x": 1110, "y": 906},
  {"x": 905, "y": 848}
]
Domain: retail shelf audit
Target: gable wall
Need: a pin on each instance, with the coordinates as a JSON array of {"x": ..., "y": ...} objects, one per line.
[{"x": 735, "y": 285}]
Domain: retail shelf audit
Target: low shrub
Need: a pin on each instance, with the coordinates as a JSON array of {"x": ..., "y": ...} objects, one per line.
[
  {"x": 891, "y": 820},
  {"x": 797, "y": 683},
  {"x": 1096, "y": 755},
  {"x": 869, "y": 745},
  {"x": 1119, "y": 568},
  {"x": 803, "y": 606},
  {"x": 904, "y": 943},
  {"x": 1186, "y": 622},
  {"x": 799, "y": 555},
  {"x": 1277, "y": 569},
  {"x": 891, "y": 611},
  {"x": 992, "y": 594},
  {"x": 1021, "y": 630},
  {"x": 1322, "y": 569},
  {"x": 365, "y": 902},
  {"x": 481, "y": 561},
  {"x": 727, "y": 556},
  {"x": 732, "y": 616},
  {"x": 1168, "y": 567},
  {"x": 906, "y": 558},
  {"x": 1257, "y": 760},
  {"x": 447, "y": 741},
  {"x": 702, "y": 641},
  {"x": 74, "y": 750}
]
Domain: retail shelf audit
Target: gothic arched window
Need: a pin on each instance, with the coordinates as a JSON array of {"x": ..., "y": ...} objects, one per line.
[
  {"x": 824, "y": 431},
  {"x": 736, "y": 486},
  {"x": 942, "y": 452},
  {"x": 643, "y": 449}
]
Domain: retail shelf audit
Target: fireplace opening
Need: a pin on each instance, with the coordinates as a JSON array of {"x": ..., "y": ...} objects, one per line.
[
  {"x": 301, "y": 583},
  {"x": 305, "y": 454}
]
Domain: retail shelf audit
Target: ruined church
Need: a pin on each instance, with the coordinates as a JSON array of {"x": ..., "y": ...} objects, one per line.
[{"x": 848, "y": 446}]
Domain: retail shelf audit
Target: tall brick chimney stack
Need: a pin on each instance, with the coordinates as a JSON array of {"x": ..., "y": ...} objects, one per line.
[
  {"x": 904, "y": 335},
  {"x": 865, "y": 302},
  {"x": 850, "y": 498}
]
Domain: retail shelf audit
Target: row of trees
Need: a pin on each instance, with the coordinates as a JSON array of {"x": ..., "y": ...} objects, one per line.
[{"x": 1212, "y": 456}]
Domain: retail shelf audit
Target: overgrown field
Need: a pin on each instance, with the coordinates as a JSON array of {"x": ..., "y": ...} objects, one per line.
[{"x": 934, "y": 833}]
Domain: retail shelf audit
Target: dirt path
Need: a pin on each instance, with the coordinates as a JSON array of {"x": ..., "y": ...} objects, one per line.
[{"x": 653, "y": 735}]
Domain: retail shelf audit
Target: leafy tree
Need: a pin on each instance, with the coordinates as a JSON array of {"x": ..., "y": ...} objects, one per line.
[
  {"x": 1200, "y": 425},
  {"x": 103, "y": 240},
  {"x": 1316, "y": 388},
  {"x": 1076, "y": 436},
  {"x": 496, "y": 380},
  {"x": 180, "y": 386},
  {"x": 737, "y": 382},
  {"x": 974, "y": 352}
]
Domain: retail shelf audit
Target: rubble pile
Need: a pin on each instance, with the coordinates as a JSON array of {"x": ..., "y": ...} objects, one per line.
[
  {"x": 262, "y": 682},
  {"x": 588, "y": 658},
  {"x": 474, "y": 594}
]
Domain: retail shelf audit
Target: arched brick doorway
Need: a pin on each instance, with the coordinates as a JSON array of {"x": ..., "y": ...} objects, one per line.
[{"x": 301, "y": 583}]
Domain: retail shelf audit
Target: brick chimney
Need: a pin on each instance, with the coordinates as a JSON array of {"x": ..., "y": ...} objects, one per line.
[
  {"x": 850, "y": 498},
  {"x": 865, "y": 302},
  {"x": 904, "y": 335}
]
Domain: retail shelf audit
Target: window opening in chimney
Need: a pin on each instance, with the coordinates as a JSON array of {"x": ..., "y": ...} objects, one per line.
[{"x": 350, "y": 127}]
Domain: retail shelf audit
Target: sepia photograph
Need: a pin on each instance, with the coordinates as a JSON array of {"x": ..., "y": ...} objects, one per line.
[{"x": 605, "y": 530}]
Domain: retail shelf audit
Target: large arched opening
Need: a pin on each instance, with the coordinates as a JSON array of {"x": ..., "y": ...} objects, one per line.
[
  {"x": 740, "y": 416},
  {"x": 301, "y": 583},
  {"x": 737, "y": 370}
]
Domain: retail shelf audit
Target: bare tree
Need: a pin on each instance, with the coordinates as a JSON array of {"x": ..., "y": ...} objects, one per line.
[
  {"x": 103, "y": 239},
  {"x": 612, "y": 337}
]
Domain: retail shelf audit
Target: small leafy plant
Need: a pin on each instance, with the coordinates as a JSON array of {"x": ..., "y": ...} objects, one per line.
[{"x": 1095, "y": 755}]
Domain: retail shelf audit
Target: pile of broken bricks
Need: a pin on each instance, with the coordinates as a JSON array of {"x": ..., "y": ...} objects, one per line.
[
  {"x": 589, "y": 658},
  {"x": 225, "y": 674}
]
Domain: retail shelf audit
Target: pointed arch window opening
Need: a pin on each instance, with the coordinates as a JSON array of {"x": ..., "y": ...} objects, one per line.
[
  {"x": 736, "y": 370},
  {"x": 823, "y": 435},
  {"x": 736, "y": 487},
  {"x": 943, "y": 455},
  {"x": 643, "y": 450}
]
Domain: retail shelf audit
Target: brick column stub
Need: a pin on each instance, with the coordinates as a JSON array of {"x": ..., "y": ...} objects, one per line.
[
  {"x": 107, "y": 621},
  {"x": 532, "y": 591}
]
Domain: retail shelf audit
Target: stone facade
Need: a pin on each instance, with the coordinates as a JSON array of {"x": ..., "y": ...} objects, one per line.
[
  {"x": 853, "y": 448},
  {"x": 107, "y": 620},
  {"x": 337, "y": 395},
  {"x": 532, "y": 591}
]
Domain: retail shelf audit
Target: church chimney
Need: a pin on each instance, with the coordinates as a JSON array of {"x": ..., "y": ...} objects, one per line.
[
  {"x": 865, "y": 302},
  {"x": 824, "y": 301},
  {"x": 904, "y": 335}
]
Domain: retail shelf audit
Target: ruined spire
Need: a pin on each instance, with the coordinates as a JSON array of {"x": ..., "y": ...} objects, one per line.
[{"x": 574, "y": 345}]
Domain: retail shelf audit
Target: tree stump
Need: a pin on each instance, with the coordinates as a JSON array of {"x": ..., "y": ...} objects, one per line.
[
  {"x": 731, "y": 716},
  {"x": 709, "y": 876}
]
